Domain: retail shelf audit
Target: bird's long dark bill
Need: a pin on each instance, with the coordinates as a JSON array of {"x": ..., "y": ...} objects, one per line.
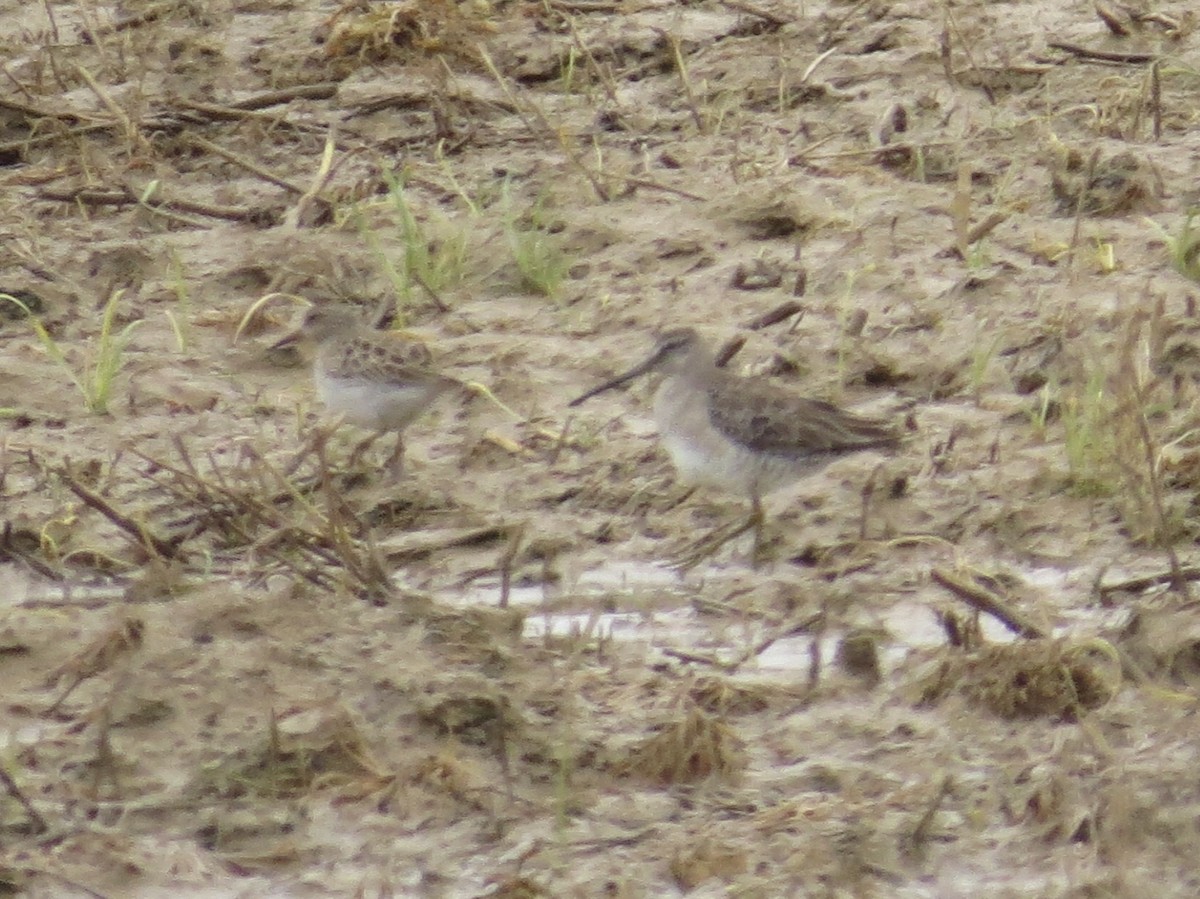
[{"x": 636, "y": 372}]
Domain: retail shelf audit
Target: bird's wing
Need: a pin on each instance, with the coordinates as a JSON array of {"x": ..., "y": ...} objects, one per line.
[
  {"x": 768, "y": 419},
  {"x": 387, "y": 357}
]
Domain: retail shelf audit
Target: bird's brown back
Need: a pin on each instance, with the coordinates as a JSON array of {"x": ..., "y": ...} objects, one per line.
[{"x": 767, "y": 418}]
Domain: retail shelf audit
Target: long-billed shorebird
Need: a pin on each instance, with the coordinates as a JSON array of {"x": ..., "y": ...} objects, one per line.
[
  {"x": 742, "y": 435},
  {"x": 377, "y": 380}
]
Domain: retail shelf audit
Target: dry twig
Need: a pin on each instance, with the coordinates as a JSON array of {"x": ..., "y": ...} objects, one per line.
[
  {"x": 39, "y": 823},
  {"x": 166, "y": 549},
  {"x": 1102, "y": 55},
  {"x": 986, "y": 601}
]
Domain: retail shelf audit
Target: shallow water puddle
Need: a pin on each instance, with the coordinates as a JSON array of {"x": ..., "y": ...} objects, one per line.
[
  {"x": 907, "y": 625},
  {"x": 647, "y": 603},
  {"x": 21, "y": 587}
]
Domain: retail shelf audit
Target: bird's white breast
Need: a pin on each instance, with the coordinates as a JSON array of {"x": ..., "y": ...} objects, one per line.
[
  {"x": 701, "y": 455},
  {"x": 705, "y": 456},
  {"x": 375, "y": 405}
]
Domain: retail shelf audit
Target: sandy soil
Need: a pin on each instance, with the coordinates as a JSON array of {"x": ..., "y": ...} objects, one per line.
[{"x": 238, "y": 661}]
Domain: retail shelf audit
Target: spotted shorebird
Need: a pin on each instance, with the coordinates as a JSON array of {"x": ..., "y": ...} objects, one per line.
[
  {"x": 742, "y": 435},
  {"x": 375, "y": 380}
]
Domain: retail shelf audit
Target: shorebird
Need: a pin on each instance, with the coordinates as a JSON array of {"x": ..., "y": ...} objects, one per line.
[
  {"x": 375, "y": 380},
  {"x": 742, "y": 435}
]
